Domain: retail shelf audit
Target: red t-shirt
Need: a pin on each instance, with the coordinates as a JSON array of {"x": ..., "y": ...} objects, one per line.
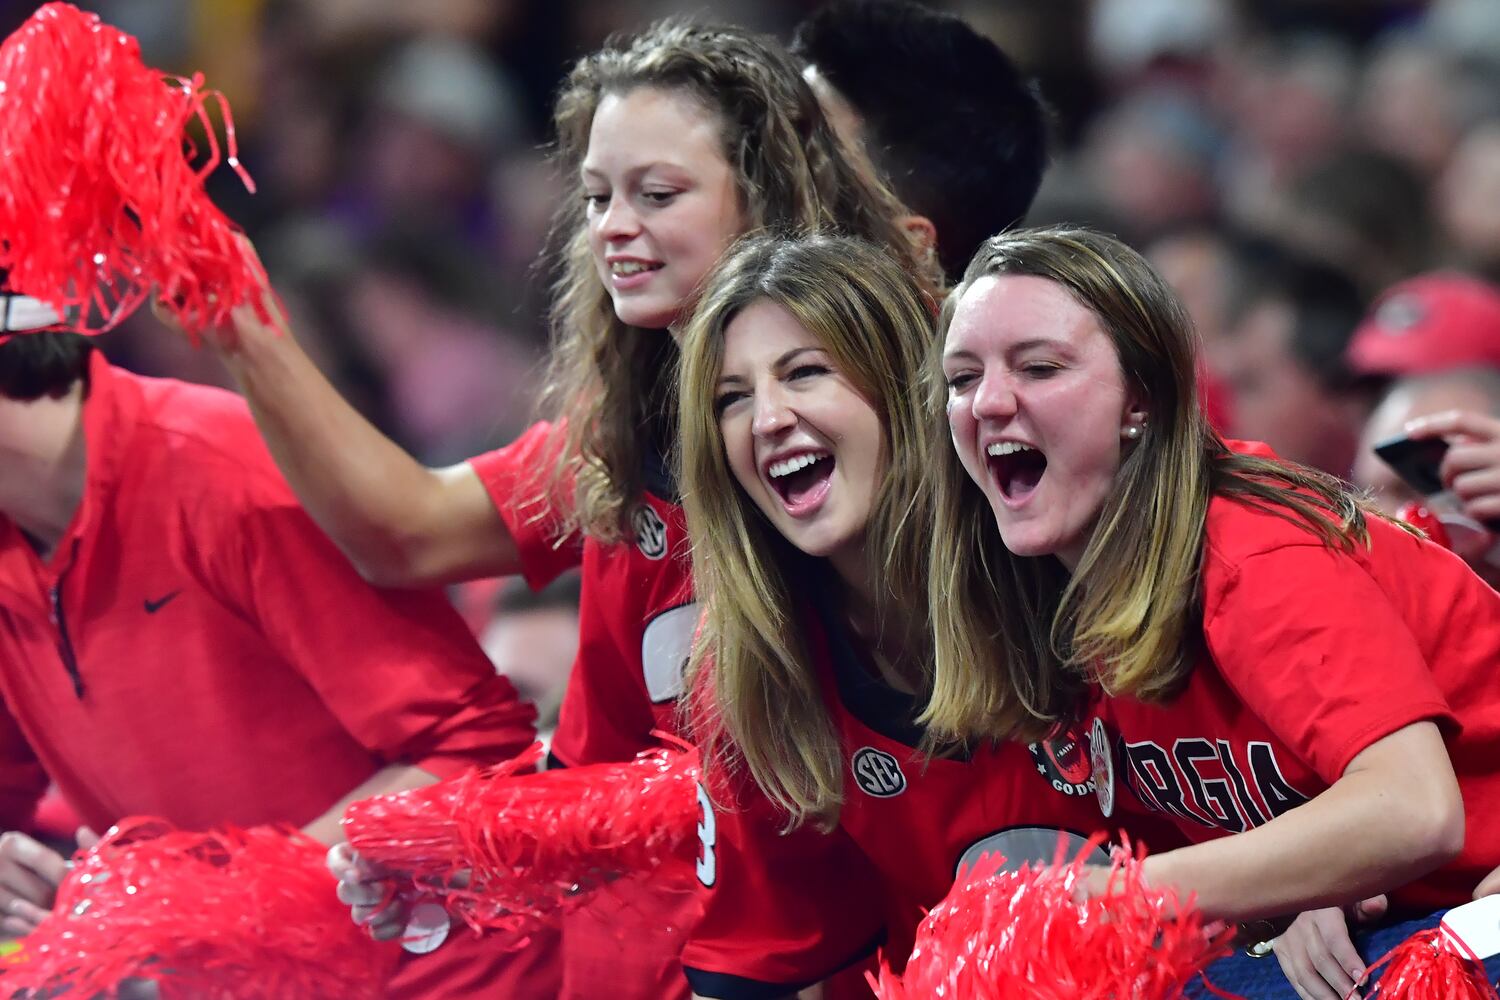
[
  {"x": 1313, "y": 655},
  {"x": 636, "y": 619},
  {"x": 636, "y": 609},
  {"x": 908, "y": 825},
  {"x": 197, "y": 649}
]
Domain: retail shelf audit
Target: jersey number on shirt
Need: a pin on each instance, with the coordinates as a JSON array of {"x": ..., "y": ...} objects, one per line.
[{"x": 707, "y": 834}]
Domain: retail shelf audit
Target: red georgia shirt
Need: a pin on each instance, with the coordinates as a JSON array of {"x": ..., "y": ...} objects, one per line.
[
  {"x": 1312, "y": 655},
  {"x": 636, "y": 611},
  {"x": 909, "y": 824},
  {"x": 636, "y": 622}
]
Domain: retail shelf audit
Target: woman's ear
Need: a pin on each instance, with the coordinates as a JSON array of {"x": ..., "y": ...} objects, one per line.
[
  {"x": 1134, "y": 423},
  {"x": 922, "y": 234}
]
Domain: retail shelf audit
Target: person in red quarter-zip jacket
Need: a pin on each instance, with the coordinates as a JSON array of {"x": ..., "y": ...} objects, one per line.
[{"x": 178, "y": 639}]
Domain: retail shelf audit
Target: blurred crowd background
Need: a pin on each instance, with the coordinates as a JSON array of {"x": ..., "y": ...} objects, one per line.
[{"x": 404, "y": 196}]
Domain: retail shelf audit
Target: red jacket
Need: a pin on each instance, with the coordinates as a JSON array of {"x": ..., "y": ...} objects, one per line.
[{"x": 195, "y": 648}]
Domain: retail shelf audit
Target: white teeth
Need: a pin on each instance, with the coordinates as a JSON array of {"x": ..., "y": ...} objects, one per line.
[
  {"x": 625, "y": 267},
  {"x": 1008, "y": 448},
  {"x": 791, "y": 465}
]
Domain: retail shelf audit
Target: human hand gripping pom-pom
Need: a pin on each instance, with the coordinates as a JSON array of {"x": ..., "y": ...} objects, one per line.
[
  {"x": 249, "y": 914},
  {"x": 506, "y": 848},
  {"x": 1002, "y": 935},
  {"x": 100, "y": 201}
]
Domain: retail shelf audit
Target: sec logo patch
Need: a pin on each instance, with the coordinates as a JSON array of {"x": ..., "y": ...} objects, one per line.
[
  {"x": 877, "y": 773},
  {"x": 650, "y": 532}
]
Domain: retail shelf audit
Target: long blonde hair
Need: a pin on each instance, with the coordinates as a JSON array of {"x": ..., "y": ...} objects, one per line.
[
  {"x": 756, "y": 693},
  {"x": 610, "y": 383},
  {"x": 1017, "y": 638}
]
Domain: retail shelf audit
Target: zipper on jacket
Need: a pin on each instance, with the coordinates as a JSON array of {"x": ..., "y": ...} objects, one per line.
[{"x": 65, "y": 641}]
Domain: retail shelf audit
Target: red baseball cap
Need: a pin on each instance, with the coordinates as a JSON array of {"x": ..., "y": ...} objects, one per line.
[{"x": 1429, "y": 323}]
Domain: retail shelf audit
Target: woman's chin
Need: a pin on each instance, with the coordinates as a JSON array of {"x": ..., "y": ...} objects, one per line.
[
  {"x": 1020, "y": 542},
  {"x": 644, "y": 315}
]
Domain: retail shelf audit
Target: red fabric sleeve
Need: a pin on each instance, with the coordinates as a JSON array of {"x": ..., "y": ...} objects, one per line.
[
  {"x": 781, "y": 910},
  {"x": 398, "y": 669},
  {"x": 22, "y": 780},
  {"x": 514, "y": 477},
  {"x": 1312, "y": 645}
]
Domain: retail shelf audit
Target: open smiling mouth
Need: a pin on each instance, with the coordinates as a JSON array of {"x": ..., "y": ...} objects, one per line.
[
  {"x": 801, "y": 481},
  {"x": 1017, "y": 468}
]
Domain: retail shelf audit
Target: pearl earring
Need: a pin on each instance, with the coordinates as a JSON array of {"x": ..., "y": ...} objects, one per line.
[{"x": 1133, "y": 431}]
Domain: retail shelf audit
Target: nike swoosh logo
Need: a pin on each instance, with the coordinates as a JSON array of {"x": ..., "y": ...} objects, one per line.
[{"x": 152, "y": 607}]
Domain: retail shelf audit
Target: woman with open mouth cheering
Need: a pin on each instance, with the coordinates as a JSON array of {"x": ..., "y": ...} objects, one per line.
[{"x": 1256, "y": 651}]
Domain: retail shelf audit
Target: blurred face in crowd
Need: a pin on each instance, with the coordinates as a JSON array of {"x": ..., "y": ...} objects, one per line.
[
  {"x": 1404, "y": 106},
  {"x": 1468, "y": 198},
  {"x": 1276, "y": 399},
  {"x": 662, "y": 201},
  {"x": 1037, "y": 406},
  {"x": 1197, "y": 266},
  {"x": 802, "y": 442}
]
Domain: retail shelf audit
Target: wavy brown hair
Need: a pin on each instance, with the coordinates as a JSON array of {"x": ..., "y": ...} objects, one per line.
[
  {"x": 1017, "y": 638},
  {"x": 756, "y": 693},
  {"x": 611, "y": 382}
]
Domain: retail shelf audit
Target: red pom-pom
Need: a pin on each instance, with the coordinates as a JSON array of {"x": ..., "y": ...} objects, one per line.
[
  {"x": 245, "y": 914},
  {"x": 1429, "y": 964},
  {"x": 99, "y": 199},
  {"x": 1002, "y": 935},
  {"x": 504, "y": 849}
]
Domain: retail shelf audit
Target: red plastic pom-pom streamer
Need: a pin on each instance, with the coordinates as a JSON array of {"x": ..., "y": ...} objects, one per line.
[
  {"x": 1426, "y": 965},
  {"x": 247, "y": 914},
  {"x": 99, "y": 198},
  {"x": 504, "y": 850},
  {"x": 1006, "y": 935}
]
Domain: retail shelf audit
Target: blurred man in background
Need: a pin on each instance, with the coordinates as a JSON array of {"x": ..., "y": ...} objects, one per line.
[
  {"x": 178, "y": 639},
  {"x": 1290, "y": 320}
]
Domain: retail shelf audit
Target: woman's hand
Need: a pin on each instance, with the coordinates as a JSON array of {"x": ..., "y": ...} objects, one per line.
[
  {"x": 1489, "y": 886},
  {"x": 1317, "y": 954},
  {"x": 370, "y": 893},
  {"x": 246, "y": 329},
  {"x": 30, "y": 873}
]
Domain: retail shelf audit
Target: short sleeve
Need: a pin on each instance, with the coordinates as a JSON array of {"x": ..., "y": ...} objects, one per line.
[
  {"x": 1312, "y": 645},
  {"x": 514, "y": 477},
  {"x": 782, "y": 910},
  {"x": 397, "y": 668}
]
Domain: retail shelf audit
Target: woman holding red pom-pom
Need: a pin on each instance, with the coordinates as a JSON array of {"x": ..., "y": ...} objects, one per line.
[
  {"x": 1269, "y": 658},
  {"x": 680, "y": 140}
]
